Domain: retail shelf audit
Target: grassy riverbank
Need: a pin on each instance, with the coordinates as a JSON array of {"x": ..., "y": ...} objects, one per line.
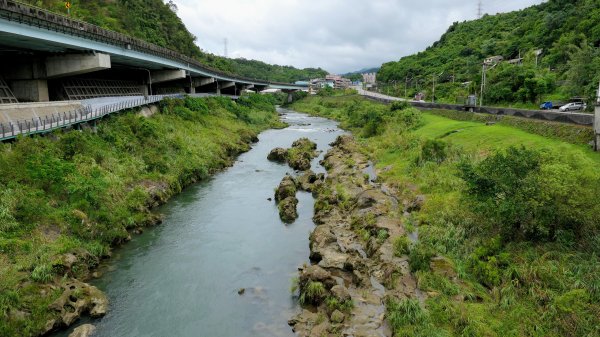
[
  {"x": 514, "y": 214},
  {"x": 68, "y": 197}
]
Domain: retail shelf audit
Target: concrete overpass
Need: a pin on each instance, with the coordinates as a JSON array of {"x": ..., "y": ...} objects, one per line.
[{"x": 46, "y": 56}]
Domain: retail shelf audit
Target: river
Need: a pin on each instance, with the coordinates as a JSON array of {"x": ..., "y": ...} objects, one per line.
[{"x": 182, "y": 277}]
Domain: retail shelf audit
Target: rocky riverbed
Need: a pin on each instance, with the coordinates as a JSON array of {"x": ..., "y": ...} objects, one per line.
[{"x": 354, "y": 268}]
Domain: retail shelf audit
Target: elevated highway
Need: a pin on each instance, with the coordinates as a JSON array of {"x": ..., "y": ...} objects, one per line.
[
  {"x": 46, "y": 56},
  {"x": 59, "y": 72}
]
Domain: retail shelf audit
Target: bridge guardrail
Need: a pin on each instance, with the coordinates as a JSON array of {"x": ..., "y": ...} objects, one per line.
[
  {"x": 41, "y": 18},
  {"x": 69, "y": 118}
]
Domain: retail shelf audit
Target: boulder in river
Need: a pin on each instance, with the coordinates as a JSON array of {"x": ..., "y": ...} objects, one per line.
[
  {"x": 278, "y": 155},
  {"x": 287, "y": 209},
  {"x": 286, "y": 188},
  {"x": 285, "y": 196},
  {"x": 302, "y": 152},
  {"x": 85, "y": 330}
]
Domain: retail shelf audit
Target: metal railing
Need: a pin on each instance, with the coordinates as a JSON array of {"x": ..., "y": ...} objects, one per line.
[
  {"x": 61, "y": 120},
  {"x": 41, "y": 18}
]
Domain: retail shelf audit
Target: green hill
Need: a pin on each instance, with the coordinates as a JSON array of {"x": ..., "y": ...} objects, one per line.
[
  {"x": 567, "y": 31},
  {"x": 157, "y": 22}
]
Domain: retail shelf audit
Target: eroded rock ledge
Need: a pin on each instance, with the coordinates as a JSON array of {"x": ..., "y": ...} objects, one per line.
[{"x": 354, "y": 268}]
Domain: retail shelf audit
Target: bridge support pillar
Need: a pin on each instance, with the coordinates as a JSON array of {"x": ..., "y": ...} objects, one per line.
[
  {"x": 76, "y": 64},
  {"x": 290, "y": 93},
  {"x": 191, "y": 90},
  {"x": 30, "y": 90}
]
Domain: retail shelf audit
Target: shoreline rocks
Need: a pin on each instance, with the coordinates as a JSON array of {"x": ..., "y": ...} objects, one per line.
[
  {"x": 78, "y": 298},
  {"x": 354, "y": 268}
]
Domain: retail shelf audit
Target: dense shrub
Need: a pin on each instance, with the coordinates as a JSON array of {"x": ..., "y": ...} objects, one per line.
[
  {"x": 399, "y": 105},
  {"x": 433, "y": 150},
  {"x": 326, "y": 92},
  {"x": 487, "y": 262},
  {"x": 410, "y": 118},
  {"x": 527, "y": 194}
]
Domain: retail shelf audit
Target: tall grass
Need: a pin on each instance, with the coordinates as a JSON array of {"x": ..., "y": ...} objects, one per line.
[{"x": 526, "y": 285}]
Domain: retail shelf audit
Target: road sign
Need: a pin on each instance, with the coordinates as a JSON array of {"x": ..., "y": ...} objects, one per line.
[{"x": 67, "y": 5}]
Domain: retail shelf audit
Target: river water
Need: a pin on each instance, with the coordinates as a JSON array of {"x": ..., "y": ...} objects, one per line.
[{"x": 182, "y": 278}]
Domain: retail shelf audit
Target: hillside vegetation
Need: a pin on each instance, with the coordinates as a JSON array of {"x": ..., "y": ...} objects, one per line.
[
  {"x": 158, "y": 23},
  {"x": 507, "y": 239},
  {"x": 568, "y": 32}
]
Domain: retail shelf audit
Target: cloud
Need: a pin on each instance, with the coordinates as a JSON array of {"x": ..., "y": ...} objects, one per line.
[{"x": 337, "y": 35}]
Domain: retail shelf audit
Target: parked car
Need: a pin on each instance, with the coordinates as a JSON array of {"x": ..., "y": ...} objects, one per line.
[
  {"x": 573, "y": 106},
  {"x": 547, "y": 106}
]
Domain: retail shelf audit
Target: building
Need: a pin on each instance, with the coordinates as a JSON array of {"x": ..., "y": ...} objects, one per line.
[
  {"x": 369, "y": 78},
  {"x": 493, "y": 60},
  {"x": 339, "y": 81},
  {"x": 320, "y": 83}
]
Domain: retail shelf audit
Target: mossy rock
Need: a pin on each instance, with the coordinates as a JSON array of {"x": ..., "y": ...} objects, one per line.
[{"x": 287, "y": 209}]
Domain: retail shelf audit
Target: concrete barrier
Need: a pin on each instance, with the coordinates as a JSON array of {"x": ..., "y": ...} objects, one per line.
[
  {"x": 13, "y": 113},
  {"x": 548, "y": 115}
]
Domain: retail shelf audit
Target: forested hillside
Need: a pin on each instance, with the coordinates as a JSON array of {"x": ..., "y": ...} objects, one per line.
[
  {"x": 567, "y": 32},
  {"x": 157, "y": 22}
]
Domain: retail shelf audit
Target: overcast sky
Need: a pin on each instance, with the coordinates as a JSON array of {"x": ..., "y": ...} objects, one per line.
[{"x": 337, "y": 35}]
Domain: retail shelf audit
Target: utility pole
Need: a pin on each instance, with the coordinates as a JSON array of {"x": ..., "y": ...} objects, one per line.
[
  {"x": 225, "y": 47},
  {"x": 406, "y": 87},
  {"x": 482, "y": 85},
  {"x": 433, "y": 91},
  {"x": 597, "y": 122},
  {"x": 479, "y": 9}
]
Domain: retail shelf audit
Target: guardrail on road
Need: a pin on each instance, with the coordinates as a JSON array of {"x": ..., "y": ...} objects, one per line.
[
  {"x": 554, "y": 116},
  {"x": 66, "y": 119}
]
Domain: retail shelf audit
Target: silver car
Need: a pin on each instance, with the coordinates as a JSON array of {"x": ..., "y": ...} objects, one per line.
[{"x": 573, "y": 106}]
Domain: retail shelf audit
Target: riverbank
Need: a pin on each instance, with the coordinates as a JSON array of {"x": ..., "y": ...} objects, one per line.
[
  {"x": 221, "y": 251},
  {"x": 519, "y": 261},
  {"x": 68, "y": 198}
]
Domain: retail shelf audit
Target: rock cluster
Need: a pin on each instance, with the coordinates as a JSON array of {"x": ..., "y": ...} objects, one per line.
[
  {"x": 285, "y": 194},
  {"x": 354, "y": 268},
  {"x": 298, "y": 156}
]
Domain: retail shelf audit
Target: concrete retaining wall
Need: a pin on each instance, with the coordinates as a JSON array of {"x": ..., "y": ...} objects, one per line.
[{"x": 11, "y": 113}]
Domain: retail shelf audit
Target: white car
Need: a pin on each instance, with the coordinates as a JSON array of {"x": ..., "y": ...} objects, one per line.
[{"x": 573, "y": 106}]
